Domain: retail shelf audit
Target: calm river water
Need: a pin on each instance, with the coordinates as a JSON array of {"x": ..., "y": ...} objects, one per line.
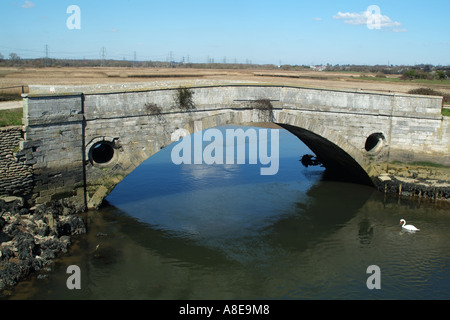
[{"x": 226, "y": 232}]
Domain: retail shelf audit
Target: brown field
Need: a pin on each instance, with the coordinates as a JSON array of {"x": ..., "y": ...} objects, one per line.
[{"x": 82, "y": 76}]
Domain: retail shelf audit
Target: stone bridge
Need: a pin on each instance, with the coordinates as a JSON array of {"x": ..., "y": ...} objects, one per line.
[{"x": 82, "y": 141}]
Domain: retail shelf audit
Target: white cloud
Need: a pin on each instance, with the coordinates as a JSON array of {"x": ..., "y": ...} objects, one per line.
[
  {"x": 317, "y": 19},
  {"x": 367, "y": 17},
  {"x": 351, "y": 18},
  {"x": 28, "y": 4}
]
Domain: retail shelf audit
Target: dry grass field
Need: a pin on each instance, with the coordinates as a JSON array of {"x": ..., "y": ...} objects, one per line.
[{"x": 10, "y": 77}]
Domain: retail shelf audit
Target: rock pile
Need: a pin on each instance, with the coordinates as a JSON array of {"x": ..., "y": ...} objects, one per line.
[{"x": 31, "y": 238}]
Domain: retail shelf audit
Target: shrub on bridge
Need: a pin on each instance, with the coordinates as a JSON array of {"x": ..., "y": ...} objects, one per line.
[{"x": 184, "y": 98}]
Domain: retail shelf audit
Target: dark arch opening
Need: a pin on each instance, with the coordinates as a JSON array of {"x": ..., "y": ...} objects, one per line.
[
  {"x": 101, "y": 152},
  {"x": 339, "y": 164}
]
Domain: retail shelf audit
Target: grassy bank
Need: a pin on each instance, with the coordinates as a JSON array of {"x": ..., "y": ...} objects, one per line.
[
  {"x": 12, "y": 117},
  {"x": 446, "y": 112}
]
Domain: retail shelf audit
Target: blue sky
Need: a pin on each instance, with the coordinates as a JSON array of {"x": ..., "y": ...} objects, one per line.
[{"x": 286, "y": 31}]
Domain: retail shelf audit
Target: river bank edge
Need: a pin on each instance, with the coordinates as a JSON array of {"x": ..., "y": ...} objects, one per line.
[
  {"x": 415, "y": 181},
  {"x": 31, "y": 238}
]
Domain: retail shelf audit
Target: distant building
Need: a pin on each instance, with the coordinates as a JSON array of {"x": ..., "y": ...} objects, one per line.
[{"x": 318, "y": 68}]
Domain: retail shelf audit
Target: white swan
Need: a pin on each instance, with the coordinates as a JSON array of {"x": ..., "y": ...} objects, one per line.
[{"x": 408, "y": 227}]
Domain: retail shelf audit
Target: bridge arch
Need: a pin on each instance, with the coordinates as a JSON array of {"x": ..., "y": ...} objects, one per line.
[{"x": 341, "y": 158}]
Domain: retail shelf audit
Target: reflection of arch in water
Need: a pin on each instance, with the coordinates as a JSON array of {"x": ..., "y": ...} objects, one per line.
[
  {"x": 164, "y": 242},
  {"x": 330, "y": 205},
  {"x": 309, "y": 222}
]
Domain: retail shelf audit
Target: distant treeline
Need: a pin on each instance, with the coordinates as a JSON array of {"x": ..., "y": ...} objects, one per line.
[
  {"x": 423, "y": 71},
  {"x": 43, "y": 62}
]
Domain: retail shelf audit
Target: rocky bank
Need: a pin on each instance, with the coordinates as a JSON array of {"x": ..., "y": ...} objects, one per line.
[
  {"x": 415, "y": 181},
  {"x": 31, "y": 238}
]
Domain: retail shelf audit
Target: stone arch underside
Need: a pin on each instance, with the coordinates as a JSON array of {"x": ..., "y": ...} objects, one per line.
[
  {"x": 339, "y": 164},
  {"x": 343, "y": 160},
  {"x": 335, "y": 152}
]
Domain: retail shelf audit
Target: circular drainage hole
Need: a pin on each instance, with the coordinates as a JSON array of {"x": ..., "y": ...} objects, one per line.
[
  {"x": 373, "y": 141},
  {"x": 102, "y": 152}
]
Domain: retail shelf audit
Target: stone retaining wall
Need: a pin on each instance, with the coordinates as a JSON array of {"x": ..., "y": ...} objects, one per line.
[{"x": 16, "y": 177}]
